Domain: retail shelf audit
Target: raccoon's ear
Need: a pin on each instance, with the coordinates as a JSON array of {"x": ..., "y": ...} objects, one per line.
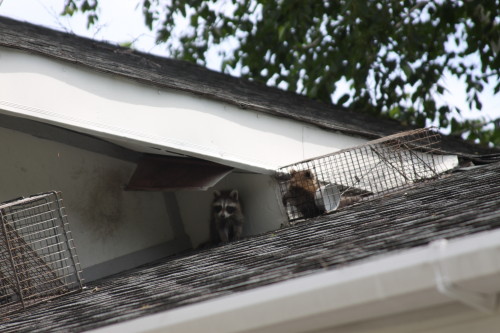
[
  {"x": 234, "y": 194},
  {"x": 216, "y": 194}
]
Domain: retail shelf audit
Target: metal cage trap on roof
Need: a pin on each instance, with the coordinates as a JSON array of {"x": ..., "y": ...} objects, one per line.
[
  {"x": 38, "y": 259},
  {"x": 312, "y": 187}
]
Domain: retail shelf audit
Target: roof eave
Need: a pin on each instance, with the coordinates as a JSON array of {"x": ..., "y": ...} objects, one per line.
[{"x": 410, "y": 280}]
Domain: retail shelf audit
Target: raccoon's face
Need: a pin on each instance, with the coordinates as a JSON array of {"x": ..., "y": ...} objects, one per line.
[
  {"x": 225, "y": 204},
  {"x": 304, "y": 179}
]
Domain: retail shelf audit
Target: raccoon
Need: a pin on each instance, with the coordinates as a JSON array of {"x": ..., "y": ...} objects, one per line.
[
  {"x": 301, "y": 193},
  {"x": 227, "y": 219}
]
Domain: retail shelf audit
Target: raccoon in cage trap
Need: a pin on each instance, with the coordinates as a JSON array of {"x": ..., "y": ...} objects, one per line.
[
  {"x": 227, "y": 218},
  {"x": 301, "y": 193}
]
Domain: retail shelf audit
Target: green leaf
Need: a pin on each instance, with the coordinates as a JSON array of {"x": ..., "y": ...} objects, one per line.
[
  {"x": 343, "y": 99},
  {"x": 395, "y": 112},
  {"x": 281, "y": 32},
  {"x": 126, "y": 44},
  {"x": 407, "y": 70}
]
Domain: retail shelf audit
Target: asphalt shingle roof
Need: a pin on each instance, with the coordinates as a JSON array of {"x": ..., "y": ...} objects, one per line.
[{"x": 457, "y": 205}]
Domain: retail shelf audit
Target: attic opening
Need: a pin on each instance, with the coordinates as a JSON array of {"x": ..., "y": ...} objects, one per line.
[
  {"x": 305, "y": 189},
  {"x": 324, "y": 184},
  {"x": 167, "y": 173}
]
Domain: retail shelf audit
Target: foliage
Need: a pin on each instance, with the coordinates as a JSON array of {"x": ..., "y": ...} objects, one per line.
[{"x": 393, "y": 54}]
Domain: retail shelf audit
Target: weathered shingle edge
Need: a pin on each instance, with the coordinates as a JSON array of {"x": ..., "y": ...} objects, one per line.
[
  {"x": 382, "y": 286},
  {"x": 454, "y": 207},
  {"x": 176, "y": 74},
  {"x": 181, "y": 75}
]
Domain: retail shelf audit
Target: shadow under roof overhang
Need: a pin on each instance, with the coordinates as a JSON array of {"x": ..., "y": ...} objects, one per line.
[{"x": 167, "y": 173}]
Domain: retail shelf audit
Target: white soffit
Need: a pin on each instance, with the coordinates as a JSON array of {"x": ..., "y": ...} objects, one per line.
[{"x": 153, "y": 120}]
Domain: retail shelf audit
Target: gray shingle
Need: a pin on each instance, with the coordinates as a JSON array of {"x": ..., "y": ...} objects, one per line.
[{"x": 457, "y": 205}]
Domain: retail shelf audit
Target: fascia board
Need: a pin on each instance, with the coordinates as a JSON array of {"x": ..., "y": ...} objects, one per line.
[
  {"x": 138, "y": 139},
  {"x": 155, "y": 120},
  {"x": 378, "y": 287}
]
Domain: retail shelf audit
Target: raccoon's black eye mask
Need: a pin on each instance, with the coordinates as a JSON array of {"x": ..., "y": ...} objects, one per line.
[
  {"x": 230, "y": 209},
  {"x": 217, "y": 208}
]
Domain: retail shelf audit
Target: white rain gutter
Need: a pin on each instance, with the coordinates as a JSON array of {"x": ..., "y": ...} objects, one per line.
[{"x": 465, "y": 270}]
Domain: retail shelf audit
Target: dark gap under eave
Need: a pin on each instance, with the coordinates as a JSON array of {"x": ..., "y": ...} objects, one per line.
[{"x": 158, "y": 173}]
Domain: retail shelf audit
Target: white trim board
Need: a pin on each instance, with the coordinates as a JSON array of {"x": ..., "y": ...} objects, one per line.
[{"x": 149, "y": 119}]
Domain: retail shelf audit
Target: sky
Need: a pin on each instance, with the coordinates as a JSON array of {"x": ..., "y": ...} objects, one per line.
[{"x": 121, "y": 21}]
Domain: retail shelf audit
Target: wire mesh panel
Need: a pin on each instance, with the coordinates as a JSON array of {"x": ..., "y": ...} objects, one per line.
[
  {"x": 38, "y": 259},
  {"x": 315, "y": 186}
]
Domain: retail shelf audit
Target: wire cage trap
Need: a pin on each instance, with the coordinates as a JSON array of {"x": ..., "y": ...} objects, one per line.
[
  {"x": 312, "y": 187},
  {"x": 38, "y": 259}
]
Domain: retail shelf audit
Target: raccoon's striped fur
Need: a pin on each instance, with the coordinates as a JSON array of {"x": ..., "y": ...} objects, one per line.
[{"x": 227, "y": 217}]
